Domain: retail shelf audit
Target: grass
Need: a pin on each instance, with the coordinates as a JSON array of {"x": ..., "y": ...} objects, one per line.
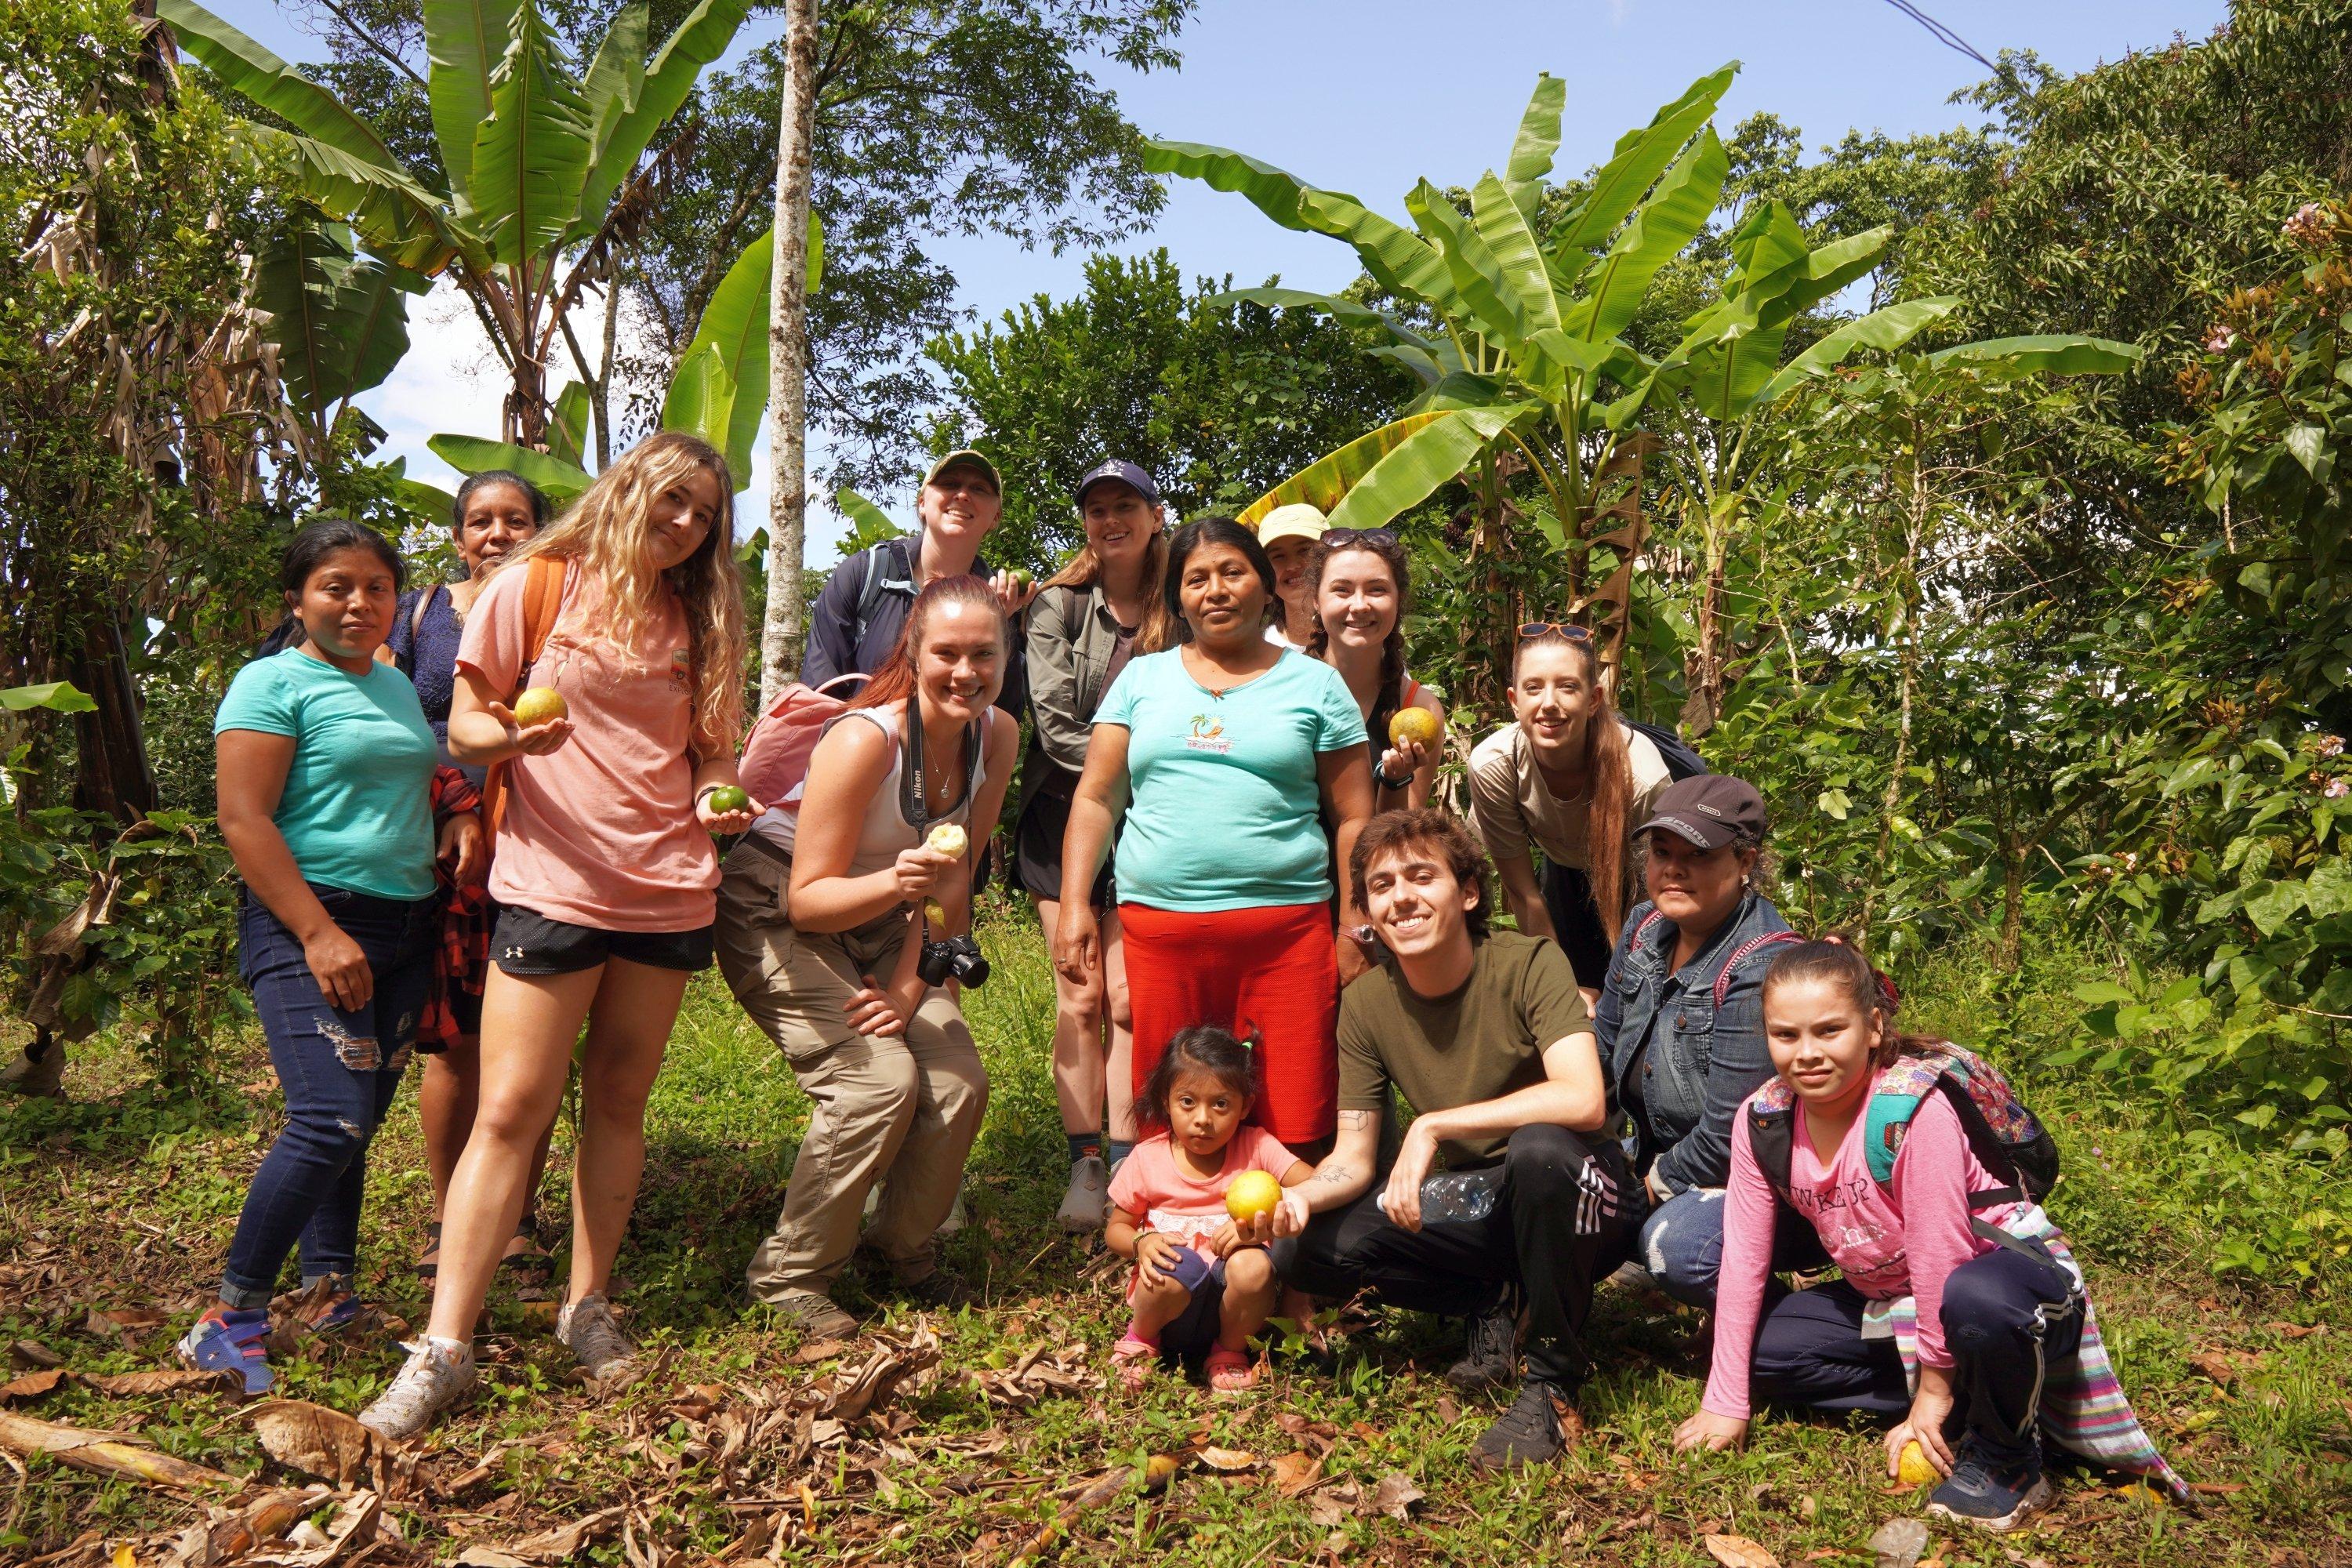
[{"x": 123, "y": 1197}]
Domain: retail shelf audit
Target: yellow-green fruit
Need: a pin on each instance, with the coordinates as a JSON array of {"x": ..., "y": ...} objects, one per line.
[
  {"x": 948, "y": 840},
  {"x": 540, "y": 705},
  {"x": 727, "y": 798},
  {"x": 1414, "y": 725},
  {"x": 1021, "y": 578},
  {"x": 1915, "y": 1468},
  {"x": 1251, "y": 1194},
  {"x": 934, "y": 913}
]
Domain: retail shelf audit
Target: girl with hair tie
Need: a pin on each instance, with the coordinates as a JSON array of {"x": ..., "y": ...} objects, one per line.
[
  {"x": 605, "y": 870},
  {"x": 822, "y": 923}
]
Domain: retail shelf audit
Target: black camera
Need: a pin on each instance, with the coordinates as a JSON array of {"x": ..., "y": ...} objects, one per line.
[{"x": 957, "y": 958}]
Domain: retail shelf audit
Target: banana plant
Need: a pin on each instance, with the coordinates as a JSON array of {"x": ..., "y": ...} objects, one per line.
[
  {"x": 718, "y": 389},
  {"x": 545, "y": 165},
  {"x": 339, "y": 320},
  {"x": 1710, "y": 400},
  {"x": 1514, "y": 322}
]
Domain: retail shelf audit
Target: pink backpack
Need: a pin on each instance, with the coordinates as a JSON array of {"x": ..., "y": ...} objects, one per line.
[{"x": 774, "y": 767}]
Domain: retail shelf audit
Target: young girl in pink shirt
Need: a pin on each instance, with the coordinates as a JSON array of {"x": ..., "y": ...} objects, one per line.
[
  {"x": 1960, "y": 1315},
  {"x": 1203, "y": 1283}
]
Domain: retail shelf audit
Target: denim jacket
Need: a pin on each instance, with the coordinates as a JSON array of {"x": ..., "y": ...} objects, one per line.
[{"x": 1701, "y": 1061}]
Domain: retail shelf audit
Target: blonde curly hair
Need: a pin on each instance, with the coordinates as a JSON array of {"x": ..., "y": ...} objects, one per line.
[{"x": 608, "y": 531}]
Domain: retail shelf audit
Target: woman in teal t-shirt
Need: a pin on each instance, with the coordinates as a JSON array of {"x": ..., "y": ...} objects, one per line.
[
  {"x": 326, "y": 800},
  {"x": 1226, "y": 749}
]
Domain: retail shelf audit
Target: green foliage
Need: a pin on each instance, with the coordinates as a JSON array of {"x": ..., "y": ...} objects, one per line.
[{"x": 1215, "y": 398}]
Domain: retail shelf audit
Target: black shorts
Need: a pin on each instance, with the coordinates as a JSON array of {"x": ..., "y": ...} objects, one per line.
[
  {"x": 527, "y": 944},
  {"x": 1037, "y": 848},
  {"x": 1194, "y": 1335}
]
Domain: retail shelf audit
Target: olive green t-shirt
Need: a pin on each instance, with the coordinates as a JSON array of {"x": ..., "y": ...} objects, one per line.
[{"x": 1480, "y": 1042}]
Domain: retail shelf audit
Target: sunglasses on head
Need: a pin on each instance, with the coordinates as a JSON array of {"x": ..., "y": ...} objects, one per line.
[
  {"x": 1531, "y": 630},
  {"x": 1341, "y": 538}
]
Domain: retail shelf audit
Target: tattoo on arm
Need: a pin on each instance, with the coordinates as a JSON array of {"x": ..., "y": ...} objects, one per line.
[
  {"x": 1355, "y": 1120},
  {"x": 1334, "y": 1176}
]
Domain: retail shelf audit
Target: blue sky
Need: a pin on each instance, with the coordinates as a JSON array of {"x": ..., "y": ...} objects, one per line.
[{"x": 1365, "y": 95}]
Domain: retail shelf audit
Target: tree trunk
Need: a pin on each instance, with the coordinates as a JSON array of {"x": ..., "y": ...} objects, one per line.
[
  {"x": 114, "y": 776},
  {"x": 1705, "y": 671},
  {"x": 603, "y": 390},
  {"x": 780, "y": 636}
]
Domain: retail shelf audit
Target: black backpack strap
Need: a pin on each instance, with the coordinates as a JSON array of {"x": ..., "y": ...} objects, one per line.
[
  {"x": 1771, "y": 1137},
  {"x": 1985, "y": 1147}
]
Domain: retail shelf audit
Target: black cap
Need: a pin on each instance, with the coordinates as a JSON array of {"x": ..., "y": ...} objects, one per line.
[
  {"x": 1708, "y": 809},
  {"x": 1126, "y": 473}
]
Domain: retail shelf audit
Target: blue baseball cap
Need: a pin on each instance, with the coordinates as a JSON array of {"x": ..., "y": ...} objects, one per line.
[{"x": 1126, "y": 473}]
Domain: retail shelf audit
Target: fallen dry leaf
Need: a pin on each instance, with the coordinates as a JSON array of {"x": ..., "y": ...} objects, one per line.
[
  {"x": 2297, "y": 1331},
  {"x": 1293, "y": 1473},
  {"x": 170, "y": 1380},
  {"x": 33, "y": 1384},
  {"x": 818, "y": 1349},
  {"x": 33, "y": 1353},
  {"x": 1739, "y": 1551},
  {"x": 1395, "y": 1495},
  {"x": 1899, "y": 1541},
  {"x": 316, "y": 1440},
  {"x": 2216, "y": 1366},
  {"x": 1228, "y": 1462}
]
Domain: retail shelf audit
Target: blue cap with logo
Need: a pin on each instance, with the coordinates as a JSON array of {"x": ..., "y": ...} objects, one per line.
[{"x": 1126, "y": 473}]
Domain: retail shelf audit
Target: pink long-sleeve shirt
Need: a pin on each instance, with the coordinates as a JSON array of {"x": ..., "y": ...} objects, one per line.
[{"x": 1891, "y": 1242}]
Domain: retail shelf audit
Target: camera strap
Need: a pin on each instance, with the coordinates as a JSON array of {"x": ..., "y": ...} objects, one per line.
[{"x": 913, "y": 808}]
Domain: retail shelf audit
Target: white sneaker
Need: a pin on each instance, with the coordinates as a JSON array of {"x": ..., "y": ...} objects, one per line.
[
  {"x": 588, "y": 1327},
  {"x": 1087, "y": 1203},
  {"x": 436, "y": 1375}
]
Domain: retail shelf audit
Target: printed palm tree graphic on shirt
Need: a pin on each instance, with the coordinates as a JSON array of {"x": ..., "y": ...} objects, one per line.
[{"x": 1207, "y": 735}]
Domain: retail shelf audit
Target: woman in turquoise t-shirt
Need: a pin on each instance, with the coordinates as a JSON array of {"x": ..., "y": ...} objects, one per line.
[
  {"x": 326, "y": 800},
  {"x": 1226, "y": 748}
]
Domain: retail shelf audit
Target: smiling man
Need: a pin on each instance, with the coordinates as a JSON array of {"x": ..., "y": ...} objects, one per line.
[
  {"x": 856, "y": 619},
  {"x": 1486, "y": 1037}
]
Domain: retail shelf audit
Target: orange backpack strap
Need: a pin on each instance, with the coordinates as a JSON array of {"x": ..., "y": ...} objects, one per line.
[{"x": 543, "y": 602}]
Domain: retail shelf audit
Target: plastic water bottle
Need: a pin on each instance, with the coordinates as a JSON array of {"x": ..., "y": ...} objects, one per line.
[{"x": 1457, "y": 1195}]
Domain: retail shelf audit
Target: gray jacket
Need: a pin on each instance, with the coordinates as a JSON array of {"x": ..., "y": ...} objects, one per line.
[{"x": 1072, "y": 635}]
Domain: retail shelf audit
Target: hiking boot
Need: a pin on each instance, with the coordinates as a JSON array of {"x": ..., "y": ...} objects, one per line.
[
  {"x": 1994, "y": 1497},
  {"x": 942, "y": 1289},
  {"x": 816, "y": 1317},
  {"x": 226, "y": 1340},
  {"x": 1086, "y": 1205},
  {"x": 588, "y": 1327},
  {"x": 436, "y": 1375},
  {"x": 1533, "y": 1431},
  {"x": 1492, "y": 1357}
]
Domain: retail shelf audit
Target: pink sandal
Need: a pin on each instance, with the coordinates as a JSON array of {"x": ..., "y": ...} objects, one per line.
[
  {"x": 1134, "y": 1361},
  {"x": 1231, "y": 1372}
]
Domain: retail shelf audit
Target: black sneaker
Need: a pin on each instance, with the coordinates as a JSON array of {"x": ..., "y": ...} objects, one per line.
[
  {"x": 1492, "y": 1357},
  {"x": 1533, "y": 1431},
  {"x": 1994, "y": 1497}
]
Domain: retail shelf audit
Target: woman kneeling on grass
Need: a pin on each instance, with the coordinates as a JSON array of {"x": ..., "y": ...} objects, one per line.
[
  {"x": 1203, "y": 1283},
  {"x": 629, "y": 608},
  {"x": 326, "y": 799},
  {"x": 1960, "y": 1303},
  {"x": 814, "y": 908}
]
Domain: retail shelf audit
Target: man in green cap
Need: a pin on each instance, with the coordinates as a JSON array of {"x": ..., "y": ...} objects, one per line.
[{"x": 857, "y": 620}]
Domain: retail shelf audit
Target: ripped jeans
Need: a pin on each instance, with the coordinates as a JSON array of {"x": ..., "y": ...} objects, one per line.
[{"x": 339, "y": 1070}]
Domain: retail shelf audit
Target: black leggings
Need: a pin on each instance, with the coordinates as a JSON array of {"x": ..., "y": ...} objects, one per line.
[
  {"x": 1576, "y": 924},
  {"x": 1560, "y": 1221}
]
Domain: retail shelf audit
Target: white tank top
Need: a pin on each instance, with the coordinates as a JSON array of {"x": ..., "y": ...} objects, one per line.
[{"x": 885, "y": 834}]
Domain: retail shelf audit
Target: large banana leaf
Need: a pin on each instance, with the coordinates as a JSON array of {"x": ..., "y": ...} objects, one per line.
[
  {"x": 1533, "y": 148},
  {"x": 244, "y": 64},
  {"x": 1478, "y": 275},
  {"x": 396, "y": 218},
  {"x": 1639, "y": 158},
  {"x": 464, "y": 41},
  {"x": 2053, "y": 353},
  {"x": 1346, "y": 312},
  {"x": 1268, "y": 188},
  {"x": 532, "y": 154},
  {"x": 1408, "y": 474},
  {"x": 1672, "y": 217},
  {"x": 1399, "y": 260},
  {"x": 701, "y": 402},
  {"x": 1726, "y": 377},
  {"x": 560, "y": 480},
  {"x": 616, "y": 75},
  {"x": 340, "y": 320},
  {"x": 872, "y": 520},
  {"x": 700, "y": 40},
  {"x": 1324, "y": 483},
  {"x": 1887, "y": 328},
  {"x": 735, "y": 324},
  {"x": 1504, "y": 227},
  {"x": 567, "y": 426}
]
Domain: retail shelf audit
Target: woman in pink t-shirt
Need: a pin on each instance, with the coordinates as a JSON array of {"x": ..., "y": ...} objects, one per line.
[
  {"x": 2005, "y": 1346},
  {"x": 604, "y": 872}
]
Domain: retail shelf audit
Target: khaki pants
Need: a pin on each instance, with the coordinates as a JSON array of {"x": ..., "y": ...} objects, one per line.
[{"x": 900, "y": 1110}]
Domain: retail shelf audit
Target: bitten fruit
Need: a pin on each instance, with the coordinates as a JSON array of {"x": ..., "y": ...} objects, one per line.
[{"x": 948, "y": 839}]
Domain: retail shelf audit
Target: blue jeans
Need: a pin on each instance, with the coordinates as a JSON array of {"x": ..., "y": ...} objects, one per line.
[
  {"x": 338, "y": 1070},
  {"x": 1681, "y": 1245}
]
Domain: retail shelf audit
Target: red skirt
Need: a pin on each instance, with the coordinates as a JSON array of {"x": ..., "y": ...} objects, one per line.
[{"x": 1271, "y": 973}]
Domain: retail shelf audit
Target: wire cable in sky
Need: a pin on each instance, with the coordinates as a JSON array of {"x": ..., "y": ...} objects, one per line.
[{"x": 1942, "y": 34}]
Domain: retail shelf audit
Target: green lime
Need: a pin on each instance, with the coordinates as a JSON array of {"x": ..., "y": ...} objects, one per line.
[{"x": 727, "y": 798}]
